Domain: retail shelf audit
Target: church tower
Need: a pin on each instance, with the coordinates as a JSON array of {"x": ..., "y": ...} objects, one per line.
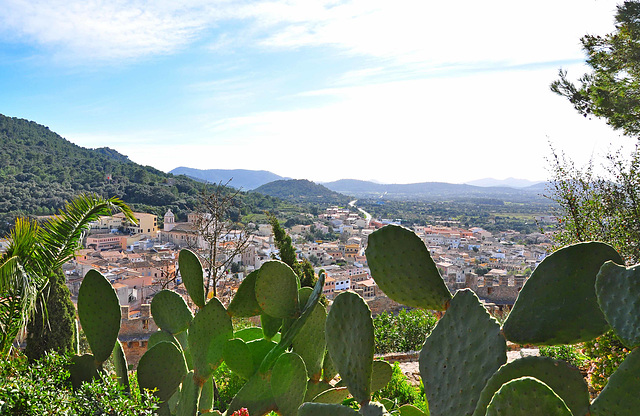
[{"x": 169, "y": 220}]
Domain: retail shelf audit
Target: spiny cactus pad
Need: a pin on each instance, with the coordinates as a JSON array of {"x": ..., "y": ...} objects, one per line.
[
  {"x": 189, "y": 396},
  {"x": 120, "y": 364},
  {"x": 328, "y": 368},
  {"x": 161, "y": 336},
  {"x": 620, "y": 396},
  {"x": 244, "y": 304},
  {"x": 99, "y": 313},
  {"x": 410, "y": 410},
  {"x": 558, "y": 303},
  {"x": 162, "y": 367},
  {"x": 335, "y": 395},
  {"x": 209, "y": 332},
  {"x": 191, "y": 272},
  {"x": 310, "y": 341},
  {"x": 289, "y": 383},
  {"x": 324, "y": 409},
  {"x": 404, "y": 270},
  {"x": 270, "y": 325},
  {"x": 461, "y": 354},
  {"x": 349, "y": 335},
  {"x": 314, "y": 388},
  {"x": 83, "y": 369},
  {"x": 381, "y": 375},
  {"x": 170, "y": 311},
  {"x": 255, "y": 395},
  {"x": 206, "y": 397},
  {"x": 277, "y": 290},
  {"x": 238, "y": 357},
  {"x": 373, "y": 409},
  {"x": 526, "y": 396},
  {"x": 249, "y": 334},
  {"x": 618, "y": 290},
  {"x": 565, "y": 380},
  {"x": 259, "y": 349}
]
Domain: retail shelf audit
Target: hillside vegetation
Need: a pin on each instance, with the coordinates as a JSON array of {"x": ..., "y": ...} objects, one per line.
[{"x": 39, "y": 171}]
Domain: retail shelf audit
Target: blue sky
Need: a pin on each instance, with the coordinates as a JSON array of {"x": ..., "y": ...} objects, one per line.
[{"x": 399, "y": 92}]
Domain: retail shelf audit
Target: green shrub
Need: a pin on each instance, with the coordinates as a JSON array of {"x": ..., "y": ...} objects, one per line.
[
  {"x": 605, "y": 354},
  {"x": 404, "y": 332},
  {"x": 43, "y": 387},
  {"x": 400, "y": 391},
  {"x": 228, "y": 384},
  {"x": 568, "y": 353}
]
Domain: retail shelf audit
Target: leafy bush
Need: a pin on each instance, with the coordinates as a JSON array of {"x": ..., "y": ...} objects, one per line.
[
  {"x": 605, "y": 354},
  {"x": 404, "y": 332},
  {"x": 400, "y": 391},
  {"x": 44, "y": 387},
  {"x": 568, "y": 353},
  {"x": 228, "y": 384}
]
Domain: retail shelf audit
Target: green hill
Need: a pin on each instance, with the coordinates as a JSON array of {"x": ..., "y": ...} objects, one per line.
[
  {"x": 302, "y": 191},
  {"x": 39, "y": 171}
]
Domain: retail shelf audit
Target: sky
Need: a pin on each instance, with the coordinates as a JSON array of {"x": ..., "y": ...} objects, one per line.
[{"x": 392, "y": 91}]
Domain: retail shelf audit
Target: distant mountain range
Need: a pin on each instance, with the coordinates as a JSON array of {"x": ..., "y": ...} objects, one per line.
[
  {"x": 517, "y": 190},
  {"x": 509, "y": 182},
  {"x": 239, "y": 178}
]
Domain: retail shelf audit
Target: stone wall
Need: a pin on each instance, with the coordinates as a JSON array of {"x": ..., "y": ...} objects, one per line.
[{"x": 501, "y": 290}]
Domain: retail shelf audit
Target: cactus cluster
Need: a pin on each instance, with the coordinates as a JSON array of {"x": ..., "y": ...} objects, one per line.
[{"x": 289, "y": 362}]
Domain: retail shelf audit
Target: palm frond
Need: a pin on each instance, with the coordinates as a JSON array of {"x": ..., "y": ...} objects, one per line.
[
  {"x": 62, "y": 235},
  {"x": 19, "y": 294}
]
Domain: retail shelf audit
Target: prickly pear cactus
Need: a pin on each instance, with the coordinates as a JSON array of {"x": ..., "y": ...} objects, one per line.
[
  {"x": 170, "y": 311},
  {"x": 404, "y": 270},
  {"x": 558, "y": 304},
  {"x": 191, "y": 272},
  {"x": 349, "y": 334},
  {"x": 99, "y": 313},
  {"x": 277, "y": 290},
  {"x": 526, "y": 396},
  {"x": 565, "y": 380},
  {"x": 244, "y": 303},
  {"x": 461, "y": 354},
  {"x": 618, "y": 290},
  {"x": 162, "y": 367}
]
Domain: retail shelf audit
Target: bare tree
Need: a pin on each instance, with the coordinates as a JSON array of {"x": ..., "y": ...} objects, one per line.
[{"x": 221, "y": 235}]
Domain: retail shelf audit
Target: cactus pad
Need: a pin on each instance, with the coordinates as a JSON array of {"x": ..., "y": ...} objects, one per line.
[
  {"x": 310, "y": 341},
  {"x": 238, "y": 357},
  {"x": 620, "y": 395},
  {"x": 82, "y": 369},
  {"x": 314, "y": 388},
  {"x": 120, "y": 364},
  {"x": 161, "y": 336},
  {"x": 526, "y": 396},
  {"x": 381, "y": 375},
  {"x": 565, "y": 380},
  {"x": 209, "y": 332},
  {"x": 170, "y": 311},
  {"x": 191, "y": 272},
  {"x": 461, "y": 354},
  {"x": 335, "y": 395},
  {"x": 277, "y": 290},
  {"x": 162, "y": 367},
  {"x": 404, "y": 270},
  {"x": 99, "y": 313},
  {"x": 410, "y": 410},
  {"x": 349, "y": 335},
  {"x": 289, "y": 383},
  {"x": 328, "y": 369},
  {"x": 270, "y": 325},
  {"x": 558, "y": 303},
  {"x": 618, "y": 290},
  {"x": 373, "y": 409},
  {"x": 206, "y": 397},
  {"x": 259, "y": 349},
  {"x": 324, "y": 409},
  {"x": 189, "y": 396},
  {"x": 244, "y": 304},
  {"x": 249, "y": 334},
  {"x": 255, "y": 395}
]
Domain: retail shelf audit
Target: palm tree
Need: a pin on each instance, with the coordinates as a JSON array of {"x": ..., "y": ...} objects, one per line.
[{"x": 35, "y": 256}]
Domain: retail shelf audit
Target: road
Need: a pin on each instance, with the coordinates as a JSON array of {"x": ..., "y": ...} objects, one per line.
[{"x": 367, "y": 216}]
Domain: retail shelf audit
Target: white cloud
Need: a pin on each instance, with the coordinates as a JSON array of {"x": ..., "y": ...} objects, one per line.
[{"x": 405, "y": 31}]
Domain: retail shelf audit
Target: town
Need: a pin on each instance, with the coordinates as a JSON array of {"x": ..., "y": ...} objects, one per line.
[{"x": 141, "y": 259}]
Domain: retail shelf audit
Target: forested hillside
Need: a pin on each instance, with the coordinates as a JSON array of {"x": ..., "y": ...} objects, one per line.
[
  {"x": 302, "y": 191},
  {"x": 39, "y": 171}
]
